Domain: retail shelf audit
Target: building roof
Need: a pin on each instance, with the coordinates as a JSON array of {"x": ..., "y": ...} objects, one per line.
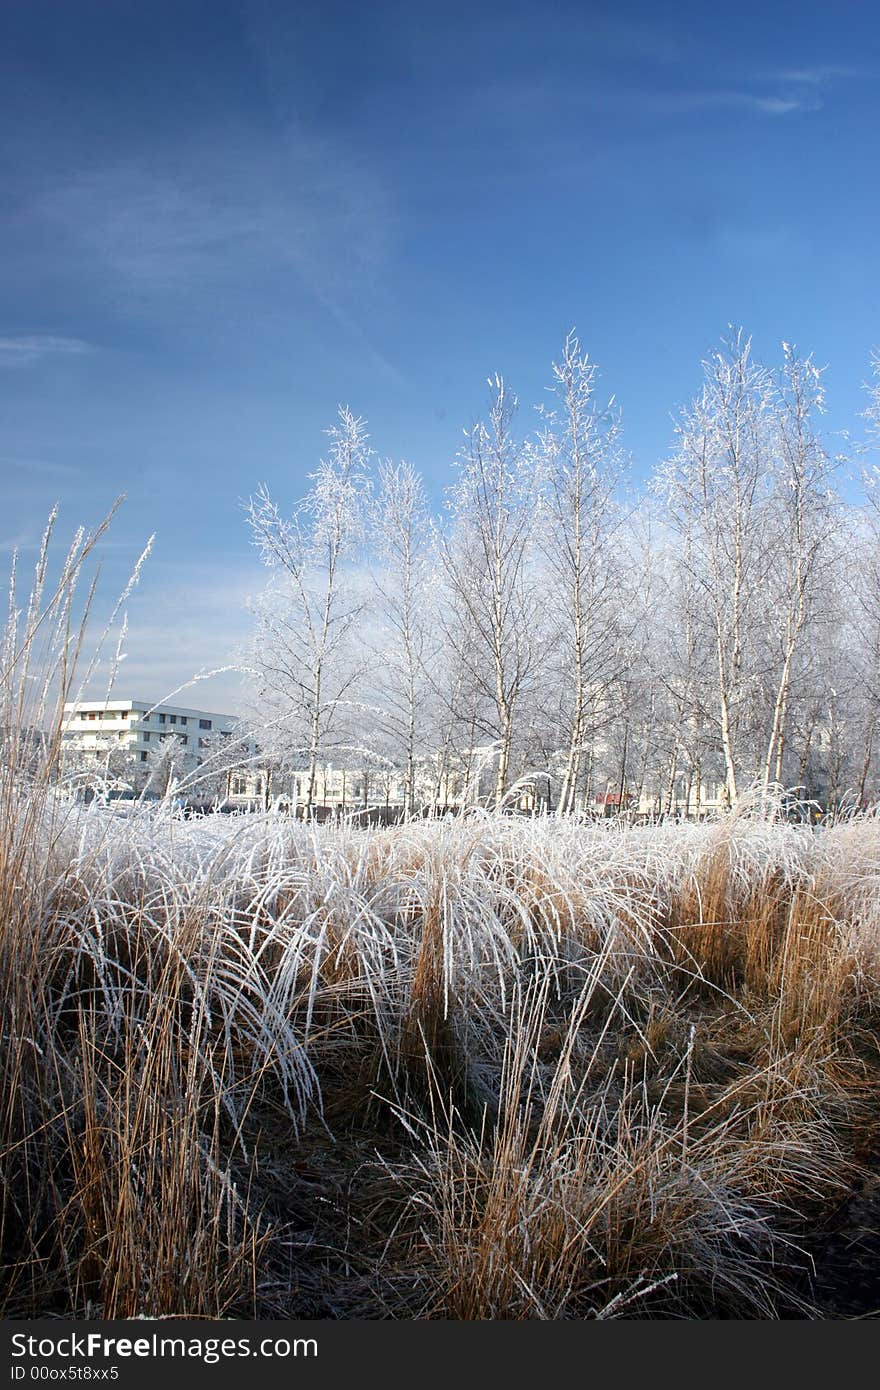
[{"x": 74, "y": 706}]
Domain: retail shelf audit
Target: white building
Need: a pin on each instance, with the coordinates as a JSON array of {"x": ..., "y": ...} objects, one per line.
[{"x": 92, "y": 730}]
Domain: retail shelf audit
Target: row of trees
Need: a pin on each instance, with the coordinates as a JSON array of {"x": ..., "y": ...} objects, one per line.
[{"x": 559, "y": 628}]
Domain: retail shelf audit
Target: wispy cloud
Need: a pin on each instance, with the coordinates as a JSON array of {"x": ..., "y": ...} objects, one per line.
[
  {"x": 769, "y": 105},
  {"x": 221, "y": 214},
  {"x": 223, "y": 206},
  {"x": 22, "y": 350},
  {"x": 816, "y": 75},
  {"x": 537, "y": 100}
]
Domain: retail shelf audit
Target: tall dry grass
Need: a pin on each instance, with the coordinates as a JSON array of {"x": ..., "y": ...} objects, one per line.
[
  {"x": 479, "y": 1067},
  {"x": 118, "y": 1097}
]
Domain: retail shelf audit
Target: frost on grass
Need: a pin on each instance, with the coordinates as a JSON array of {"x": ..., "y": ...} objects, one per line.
[{"x": 499, "y": 1067}]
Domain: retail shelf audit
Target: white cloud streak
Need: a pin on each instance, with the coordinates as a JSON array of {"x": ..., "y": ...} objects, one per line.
[
  {"x": 224, "y": 211},
  {"x": 23, "y": 350},
  {"x": 818, "y": 75}
]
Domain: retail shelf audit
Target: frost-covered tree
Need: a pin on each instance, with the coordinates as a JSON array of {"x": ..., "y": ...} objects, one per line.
[
  {"x": 857, "y": 619},
  {"x": 803, "y": 516},
  {"x": 220, "y": 755},
  {"x": 726, "y": 629},
  {"x": 750, "y": 499},
  {"x": 716, "y": 487},
  {"x": 493, "y": 597},
  {"x": 455, "y": 770},
  {"x": 579, "y": 462},
  {"x": 306, "y": 618},
  {"x": 108, "y": 764},
  {"x": 678, "y": 640},
  {"x": 168, "y": 764},
  {"x": 403, "y": 553}
]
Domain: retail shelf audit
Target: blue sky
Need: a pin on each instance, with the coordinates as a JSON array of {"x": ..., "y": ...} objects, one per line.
[{"x": 221, "y": 218}]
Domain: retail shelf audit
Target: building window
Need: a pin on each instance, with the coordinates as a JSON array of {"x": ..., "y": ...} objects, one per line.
[
  {"x": 183, "y": 719},
  {"x": 143, "y": 757},
  {"x": 146, "y": 719},
  {"x": 173, "y": 718},
  {"x": 161, "y": 719},
  {"x": 204, "y": 723},
  {"x": 238, "y": 786},
  {"x": 146, "y": 739}
]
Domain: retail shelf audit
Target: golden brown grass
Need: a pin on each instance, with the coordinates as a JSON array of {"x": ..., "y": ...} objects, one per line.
[{"x": 475, "y": 1068}]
